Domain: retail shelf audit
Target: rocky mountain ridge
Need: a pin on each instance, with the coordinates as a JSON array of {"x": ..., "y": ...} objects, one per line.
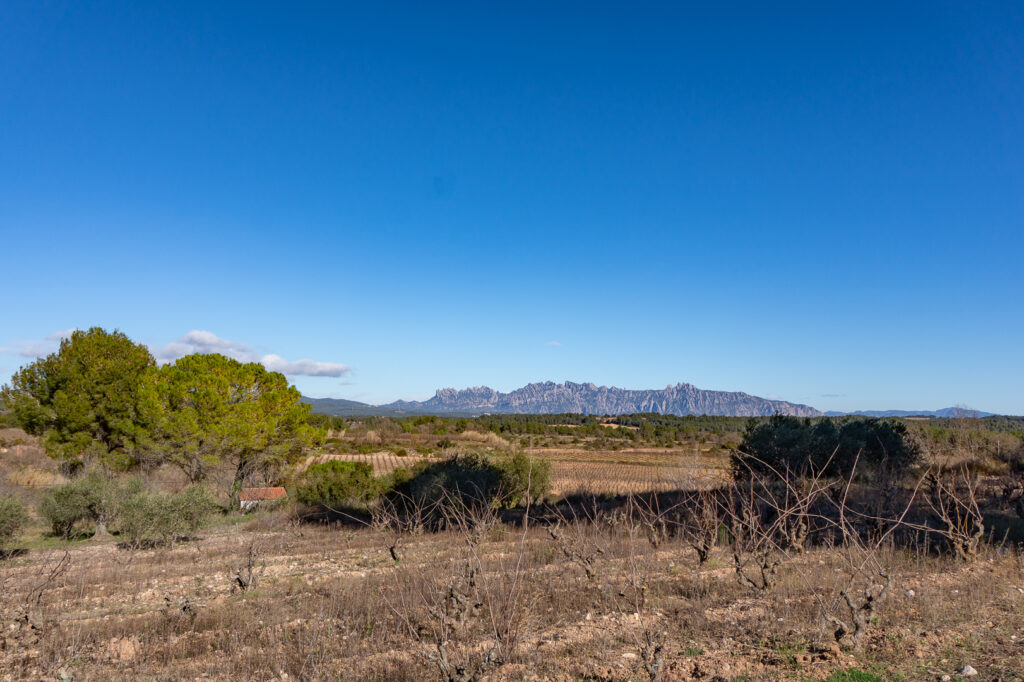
[{"x": 552, "y": 398}]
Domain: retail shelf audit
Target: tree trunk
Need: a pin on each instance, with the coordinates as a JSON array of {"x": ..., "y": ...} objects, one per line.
[{"x": 236, "y": 487}]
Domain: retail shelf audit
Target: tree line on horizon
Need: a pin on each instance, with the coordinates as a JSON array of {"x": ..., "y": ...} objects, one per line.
[{"x": 102, "y": 399}]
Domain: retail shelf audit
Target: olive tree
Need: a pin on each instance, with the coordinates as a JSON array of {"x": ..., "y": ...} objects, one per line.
[{"x": 13, "y": 518}]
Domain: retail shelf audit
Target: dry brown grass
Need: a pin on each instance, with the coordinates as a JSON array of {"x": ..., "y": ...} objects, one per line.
[
  {"x": 596, "y": 472},
  {"x": 330, "y": 602},
  {"x": 321, "y": 610},
  {"x": 23, "y": 464}
]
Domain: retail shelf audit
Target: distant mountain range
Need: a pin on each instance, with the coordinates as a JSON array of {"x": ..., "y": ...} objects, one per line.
[
  {"x": 551, "y": 398},
  {"x": 944, "y": 412}
]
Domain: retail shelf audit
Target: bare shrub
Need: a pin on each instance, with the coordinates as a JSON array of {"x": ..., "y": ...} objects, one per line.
[
  {"x": 396, "y": 518},
  {"x": 1013, "y": 493},
  {"x": 248, "y": 574},
  {"x": 769, "y": 520},
  {"x": 648, "y": 636},
  {"x": 860, "y": 611},
  {"x": 700, "y": 523},
  {"x": 570, "y": 535},
  {"x": 1013, "y": 481},
  {"x": 953, "y": 499},
  {"x": 867, "y": 580},
  {"x": 455, "y": 601},
  {"x": 647, "y": 513},
  {"x": 182, "y": 610},
  {"x": 25, "y": 624},
  {"x": 756, "y": 553}
]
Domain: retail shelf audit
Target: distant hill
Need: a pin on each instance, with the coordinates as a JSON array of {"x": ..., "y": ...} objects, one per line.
[
  {"x": 338, "y": 407},
  {"x": 945, "y": 412},
  {"x": 551, "y": 398}
]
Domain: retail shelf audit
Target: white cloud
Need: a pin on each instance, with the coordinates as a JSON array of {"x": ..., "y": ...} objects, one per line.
[
  {"x": 552, "y": 343},
  {"x": 196, "y": 341},
  {"x": 306, "y": 368},
  {"x": 44, "y": 346},
  {"x": 199, "y": 341}
]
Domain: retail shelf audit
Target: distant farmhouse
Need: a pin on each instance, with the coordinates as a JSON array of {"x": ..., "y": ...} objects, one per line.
[{"x": 250, "y": 498}]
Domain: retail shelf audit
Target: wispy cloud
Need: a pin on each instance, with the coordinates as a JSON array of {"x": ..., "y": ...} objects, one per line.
[
  {"x": 34, "y": 349},
  {"x": 306, "y": 368},
  {"x": 200, "y": 341},
  {"x": 833, "y": 395},
  {"x": 196, "y": 341},
  {"x": 553, "y": 343}
]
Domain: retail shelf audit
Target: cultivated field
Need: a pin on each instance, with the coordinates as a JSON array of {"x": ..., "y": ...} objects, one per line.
[
  {"x": 331, "y": 604},
  {"x": 613, "y": 473},
  {"x": 611, "y": 586}
]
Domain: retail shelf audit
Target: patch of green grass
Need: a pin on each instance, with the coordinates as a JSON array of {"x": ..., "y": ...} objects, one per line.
[
  {"x": 968, "y": 642},
  {"x": 692, "y": 651},
  {"x": 788, "y": 651},
  {"x": 789, "y": 654},
  {"x": 39, "y": 536}
]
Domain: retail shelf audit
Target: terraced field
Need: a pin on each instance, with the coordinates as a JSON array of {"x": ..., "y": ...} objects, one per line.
[{"x": 599, "y": 472}]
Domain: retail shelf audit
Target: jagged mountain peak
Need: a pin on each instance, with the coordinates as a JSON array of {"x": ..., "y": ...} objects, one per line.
[{"x": 548, "y": 397}]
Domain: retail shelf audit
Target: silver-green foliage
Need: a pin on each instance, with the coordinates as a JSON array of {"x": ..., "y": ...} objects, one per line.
[
  {"x": 13, "y": 519},
  {"x": 156, "y": 518}
]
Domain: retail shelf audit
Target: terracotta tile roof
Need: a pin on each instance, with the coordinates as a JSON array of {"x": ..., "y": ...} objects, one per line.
[{"x": 258, "y": 494}]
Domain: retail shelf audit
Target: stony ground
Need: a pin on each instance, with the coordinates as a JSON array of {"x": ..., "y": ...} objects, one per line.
[{"x": 330, "y": 603}]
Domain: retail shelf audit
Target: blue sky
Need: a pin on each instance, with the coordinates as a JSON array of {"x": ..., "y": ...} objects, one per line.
[{"x": 817, "y": 202}]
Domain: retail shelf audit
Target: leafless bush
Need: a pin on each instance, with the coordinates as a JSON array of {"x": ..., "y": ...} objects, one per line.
[
  {"x": 867, "y": 580},
  {"x": 700, "y": 523},
  {"x": 647, "y": 635},
  {"x": 1013, "y": 489},
  {"x": 953, "y": 499},
  {"x": 860, "y": 612},
  {"x": 861, "y": 594},
  {"x": 25, "y": 625},
  {"x": 459, "y": 599},
  {"x": 647, "y": 513},
  {"x": 882, "y": 506},
  {"x": 398, "y": 521},
  {"x": 755, "y": 552},
  {"x": 769, "y": 519},
  {"x": 48, "y": 576},
  {"x": 184, "y": 609},
  {"x": 571, "y": 536},
  {"x": 248, "y": 574}
]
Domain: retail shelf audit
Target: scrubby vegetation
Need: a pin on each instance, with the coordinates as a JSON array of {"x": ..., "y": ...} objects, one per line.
[
  {"x": 475, "y": 481},
  {"x": 13, "y": 518},
  {"x": 93, "y": 498},
  {"x": 501, "y": 547},
  {"x": 147, "y": 518},
  {"x": 138, "y": 514},
  {"x": 338, "y": 484},
  {"x": 832, "y": 447}
]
